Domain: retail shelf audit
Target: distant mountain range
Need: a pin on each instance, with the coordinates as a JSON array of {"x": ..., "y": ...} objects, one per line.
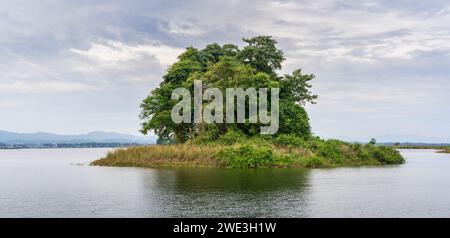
[{"x": 7, "y": 137}]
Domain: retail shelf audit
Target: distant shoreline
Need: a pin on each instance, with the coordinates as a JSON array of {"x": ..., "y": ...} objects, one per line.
[
  {"x": 440, "y": 148},
  {"x": 67, "y": 145}
]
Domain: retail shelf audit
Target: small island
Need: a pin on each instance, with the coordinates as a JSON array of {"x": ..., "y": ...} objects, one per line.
[{"x": 241, "y": 145}]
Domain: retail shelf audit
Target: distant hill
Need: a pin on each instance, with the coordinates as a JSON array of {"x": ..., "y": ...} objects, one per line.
[{"x": 7, "y": 137}]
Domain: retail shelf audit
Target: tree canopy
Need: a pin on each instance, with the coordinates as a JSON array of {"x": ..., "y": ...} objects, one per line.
[{"x": 227, "y": 66}]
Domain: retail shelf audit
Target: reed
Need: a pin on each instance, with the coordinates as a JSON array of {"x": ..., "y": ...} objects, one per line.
[{"x": 162, "y": 155}]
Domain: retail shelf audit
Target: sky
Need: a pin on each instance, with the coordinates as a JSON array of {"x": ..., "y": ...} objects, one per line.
[{"x": 382, "y": 67}]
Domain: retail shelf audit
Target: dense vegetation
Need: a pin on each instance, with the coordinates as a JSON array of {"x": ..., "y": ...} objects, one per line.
[
  {"x": 240, "y": 145},
  {"x": 224, "y": 67},
  {"x": 236, "y": 150}
]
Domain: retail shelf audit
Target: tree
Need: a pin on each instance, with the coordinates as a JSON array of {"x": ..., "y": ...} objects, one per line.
[
  {"x": 224, "y": 67},
  {"x": 373, "y": 141},
  {"x": 156, "y": 110},
  {"x": 262, "y": 54},
  {"x": 294, "y": 120},
  {"x": 296, "y": 88}
]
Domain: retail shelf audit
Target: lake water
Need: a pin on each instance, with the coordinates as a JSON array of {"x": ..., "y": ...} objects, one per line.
[{"x": 60, "y": 183}]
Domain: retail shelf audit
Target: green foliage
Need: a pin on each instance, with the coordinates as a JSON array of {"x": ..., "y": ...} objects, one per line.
[
  {"x": 294, "y": 120},
  {"x": 296, "y": 88},
  {"x": 246, "y": 156},
  {"x": 315, "y": 162},
  {"x": 250, "y": 156},
  {"x": 386, "y": 155},
  {"x": 262, "y": 54},
  {"x": 233, "y": 150},
  {"x": 232, "y": 137},
  {"x": 208, "y": 134},
  {"x": 180, "y": 71},
  {"x": 289, "y": 140},
  {"x": 337, "y": 153},
  {"x": 331, "y": 150},
  {"x": 223, "y": 67},
  {"x": 314, "y": 153}
]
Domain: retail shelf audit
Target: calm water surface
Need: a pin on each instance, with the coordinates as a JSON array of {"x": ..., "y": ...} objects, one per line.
[{"x": 60, "y": 183}]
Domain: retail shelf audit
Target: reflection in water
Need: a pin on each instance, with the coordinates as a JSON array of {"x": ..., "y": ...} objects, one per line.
[
  {"x": 228, "y": 193},
  {"x": 51, "y": 183}
]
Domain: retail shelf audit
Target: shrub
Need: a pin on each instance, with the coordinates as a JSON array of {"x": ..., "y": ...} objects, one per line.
[
  {"x": 232, "y": 137},
  {"x": 294, "y": 120},
  {"x": 386, "y": 155},
  {"x": 282, "y": 161},
  {"x": 289, "y": 139},
  {"x": 246, "y": 156},
  {"x": 331, "y": 150},
  {"x": 363, "y": 154},
  {"x": 208, "y": 134},
  {"x": 314, "y": 162}
]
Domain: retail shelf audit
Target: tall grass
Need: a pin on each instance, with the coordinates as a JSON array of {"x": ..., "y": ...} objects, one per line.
[{"x": 162, "y": 155}]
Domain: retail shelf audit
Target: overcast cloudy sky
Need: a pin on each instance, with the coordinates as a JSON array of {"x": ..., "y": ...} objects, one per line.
[{"x": 382, "y": 67}]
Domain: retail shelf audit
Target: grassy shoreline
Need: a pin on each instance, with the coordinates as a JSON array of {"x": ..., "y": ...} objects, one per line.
[
  {"x": 160, "y": 156},
  {"x": 284, "y": 152}
]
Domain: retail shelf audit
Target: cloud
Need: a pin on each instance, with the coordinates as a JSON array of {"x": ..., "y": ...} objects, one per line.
[
  {"x": 380, "y": 63},
  {"x": 113, "y": 53},
  {"x": 46, "y": 86}
]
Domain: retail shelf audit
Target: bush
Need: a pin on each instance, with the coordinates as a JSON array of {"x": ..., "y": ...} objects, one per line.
[
  {"x": 386, "y": 155},
  {"x": 294, "y": 120},
  {"x": 331, "y": 150},
  {"x": 246, "y": 156},
  {"x": 208, "y": 134},
  {"x": 232, "y": 137},
  {"x": 282, "y": 161},
  {"x": 288, "y": 140},
  {"x": 314, "y": 162}
]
